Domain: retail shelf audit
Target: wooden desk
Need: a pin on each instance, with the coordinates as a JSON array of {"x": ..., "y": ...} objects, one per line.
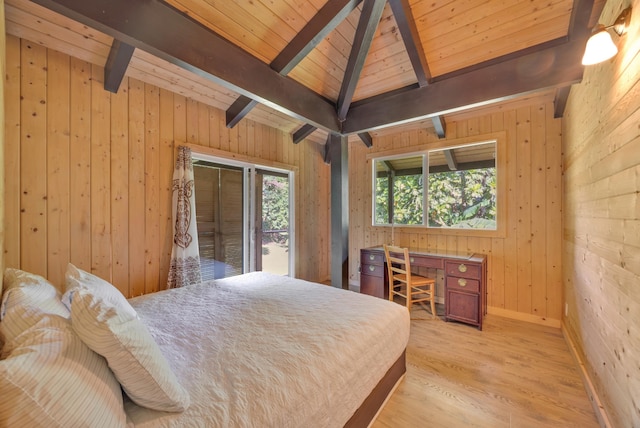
[{"x": 465, "y": 277}]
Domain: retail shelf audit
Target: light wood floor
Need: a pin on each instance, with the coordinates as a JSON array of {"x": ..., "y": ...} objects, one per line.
[{"x": 510, "y": 374}]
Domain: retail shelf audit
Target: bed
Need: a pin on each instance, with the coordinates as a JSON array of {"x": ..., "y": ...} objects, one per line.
[{"x": 253, "y": 350}]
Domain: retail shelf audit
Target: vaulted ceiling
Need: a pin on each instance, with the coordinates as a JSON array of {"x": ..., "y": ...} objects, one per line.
[{"x": 315, "y": 67}]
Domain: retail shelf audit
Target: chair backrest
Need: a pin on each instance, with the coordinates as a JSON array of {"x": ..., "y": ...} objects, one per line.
[{"x": 398, "y": 263}]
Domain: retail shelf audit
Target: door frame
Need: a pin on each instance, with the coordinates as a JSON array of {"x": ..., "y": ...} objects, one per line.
[{"x": 248, "y": 206}]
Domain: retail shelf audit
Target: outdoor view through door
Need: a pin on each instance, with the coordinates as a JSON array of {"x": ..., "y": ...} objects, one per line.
[
  {"x": 272, "y": 222},
  {"x": 244, "y": 217}
]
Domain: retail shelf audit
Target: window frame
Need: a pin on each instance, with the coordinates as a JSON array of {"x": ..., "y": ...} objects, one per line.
[{"x": 501, "y": 187}]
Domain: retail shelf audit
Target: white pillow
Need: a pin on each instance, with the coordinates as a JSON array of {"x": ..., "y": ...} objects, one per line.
[
  {"x": 77, "y": 278},
  {"x": 49, "y": 377},
  {"x": 26, "y": 299},
  {"x": 132, "y": 354}
]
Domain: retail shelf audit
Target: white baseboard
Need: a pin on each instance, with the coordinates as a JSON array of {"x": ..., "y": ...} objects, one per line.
[{"x": 596, "y": 403}]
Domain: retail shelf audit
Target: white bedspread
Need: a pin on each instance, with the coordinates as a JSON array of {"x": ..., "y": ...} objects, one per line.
[{"x": 261, "y": 350}]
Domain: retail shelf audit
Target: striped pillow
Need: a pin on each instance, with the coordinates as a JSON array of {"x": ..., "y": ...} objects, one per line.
[
  {"x": 49, "y": 377},
  {"x": 26, "y": 299},
  {"x": 130, "y": 350}
]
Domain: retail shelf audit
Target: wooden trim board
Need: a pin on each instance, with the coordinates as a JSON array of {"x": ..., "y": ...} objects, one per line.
[
  {"x": 521, "y": 316},
  {"x": 596, "y": 403}
]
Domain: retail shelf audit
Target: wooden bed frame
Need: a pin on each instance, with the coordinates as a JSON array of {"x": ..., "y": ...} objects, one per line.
[{"x": 369, "y": 409}]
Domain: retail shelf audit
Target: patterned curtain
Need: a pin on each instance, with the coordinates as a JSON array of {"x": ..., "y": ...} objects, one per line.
[{"x": 185, "y": 256}]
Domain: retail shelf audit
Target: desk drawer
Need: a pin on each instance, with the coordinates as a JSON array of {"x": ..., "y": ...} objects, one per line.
[
  {"x": 464, "y": 270},
  {"x": 426, "y": 261},
  {"x": 372, "y": 285},
  {"x": 373, "y": 270},
  {"x": 463, "y": 284},
  {"x": 463, "y": 307},
  {"x": 371, "y": 258}
]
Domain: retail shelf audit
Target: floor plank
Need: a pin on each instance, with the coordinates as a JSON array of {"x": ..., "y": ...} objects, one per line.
[{"x": 510, "y": 374}]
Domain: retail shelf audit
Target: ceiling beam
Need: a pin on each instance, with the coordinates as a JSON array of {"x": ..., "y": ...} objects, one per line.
[
  {"x": 411, "y": 38},
  {"x": 369, "y": 19},
  {"x": 303, "y": 132},
  {"x": 366, "y": 138},
  {"x": 322, "y": 23},
  {"x": 548, "y": 68},
  {"x": 579, "y": 29},
  {"x": 450, "y": 157},
  {"x": 327, "y": 151},
  {"x": 117, "y": 62},
  {"x": 186, "y": 43},
  {"x": 560, "y": 101},
  {"x": 315, "y": 31},
  {"x": 579, "y": 25},
  {"x": 238, "y": 110},
  {"x": 440, "y": 126}
]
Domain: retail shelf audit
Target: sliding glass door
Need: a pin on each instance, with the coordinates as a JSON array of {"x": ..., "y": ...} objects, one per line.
[
  {"x": 272, "y": 222},
  {"x": 219, "y": 214},
  {"x": 244, "y": 214}
]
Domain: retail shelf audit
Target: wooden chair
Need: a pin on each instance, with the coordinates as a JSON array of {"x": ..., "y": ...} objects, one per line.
[{"x": 413, "y": 288}]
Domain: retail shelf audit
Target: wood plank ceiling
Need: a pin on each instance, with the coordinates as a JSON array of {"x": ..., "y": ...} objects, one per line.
[{"x": 314, "y": 67}]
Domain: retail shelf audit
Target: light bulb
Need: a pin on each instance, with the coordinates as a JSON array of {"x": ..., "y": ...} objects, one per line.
[{"x": 600, "y": 47}]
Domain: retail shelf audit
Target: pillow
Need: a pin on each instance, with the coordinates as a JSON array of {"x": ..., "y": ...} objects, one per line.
[
  {"x": 26, "y": 299},
  {"x": 112, "y": 331},
  {"x": 49, "y": 377},
  {"x": 77, "y": 278}
]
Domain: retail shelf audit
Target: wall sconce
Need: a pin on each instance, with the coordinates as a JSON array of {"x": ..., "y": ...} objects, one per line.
[{"x": 600, "y": 46}]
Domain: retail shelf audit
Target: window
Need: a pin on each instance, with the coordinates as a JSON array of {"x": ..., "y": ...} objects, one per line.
[{"x": 450, "y": 187}]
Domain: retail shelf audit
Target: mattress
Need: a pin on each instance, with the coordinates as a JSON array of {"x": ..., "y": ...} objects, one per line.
[{"x": 262, "y": 350}]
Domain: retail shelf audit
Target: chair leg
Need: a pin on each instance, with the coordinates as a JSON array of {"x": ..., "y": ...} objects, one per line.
[{"x": 433, "y": 300}]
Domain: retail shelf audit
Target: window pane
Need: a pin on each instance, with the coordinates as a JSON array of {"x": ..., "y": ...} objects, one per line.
[
  {"x": 462, "y": 187},
  {"x": 219, "y": 213},
  {"x": 273, "y": 224},
  {"x": 382, "y": 199},
  {"x": 408, "y": 197},
  {"x": 399, "y": 190}
]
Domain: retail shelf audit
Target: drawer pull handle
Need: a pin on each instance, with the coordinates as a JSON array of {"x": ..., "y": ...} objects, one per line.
[
  {"x": 411, "y": 259},
  {"x": 372, "y": 257},
  {"x": 462, "y": 282},
  {"x": 462, "y": 268},
  {"x": 372, "y": 268}
]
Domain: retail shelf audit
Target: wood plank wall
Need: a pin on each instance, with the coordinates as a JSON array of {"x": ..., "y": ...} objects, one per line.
[
  {"x": 2, "y": 73},
  {"x": 524, "y": 267},
  {"x": 89, "y": 172},
  {"x": 602, "y": 223}
]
